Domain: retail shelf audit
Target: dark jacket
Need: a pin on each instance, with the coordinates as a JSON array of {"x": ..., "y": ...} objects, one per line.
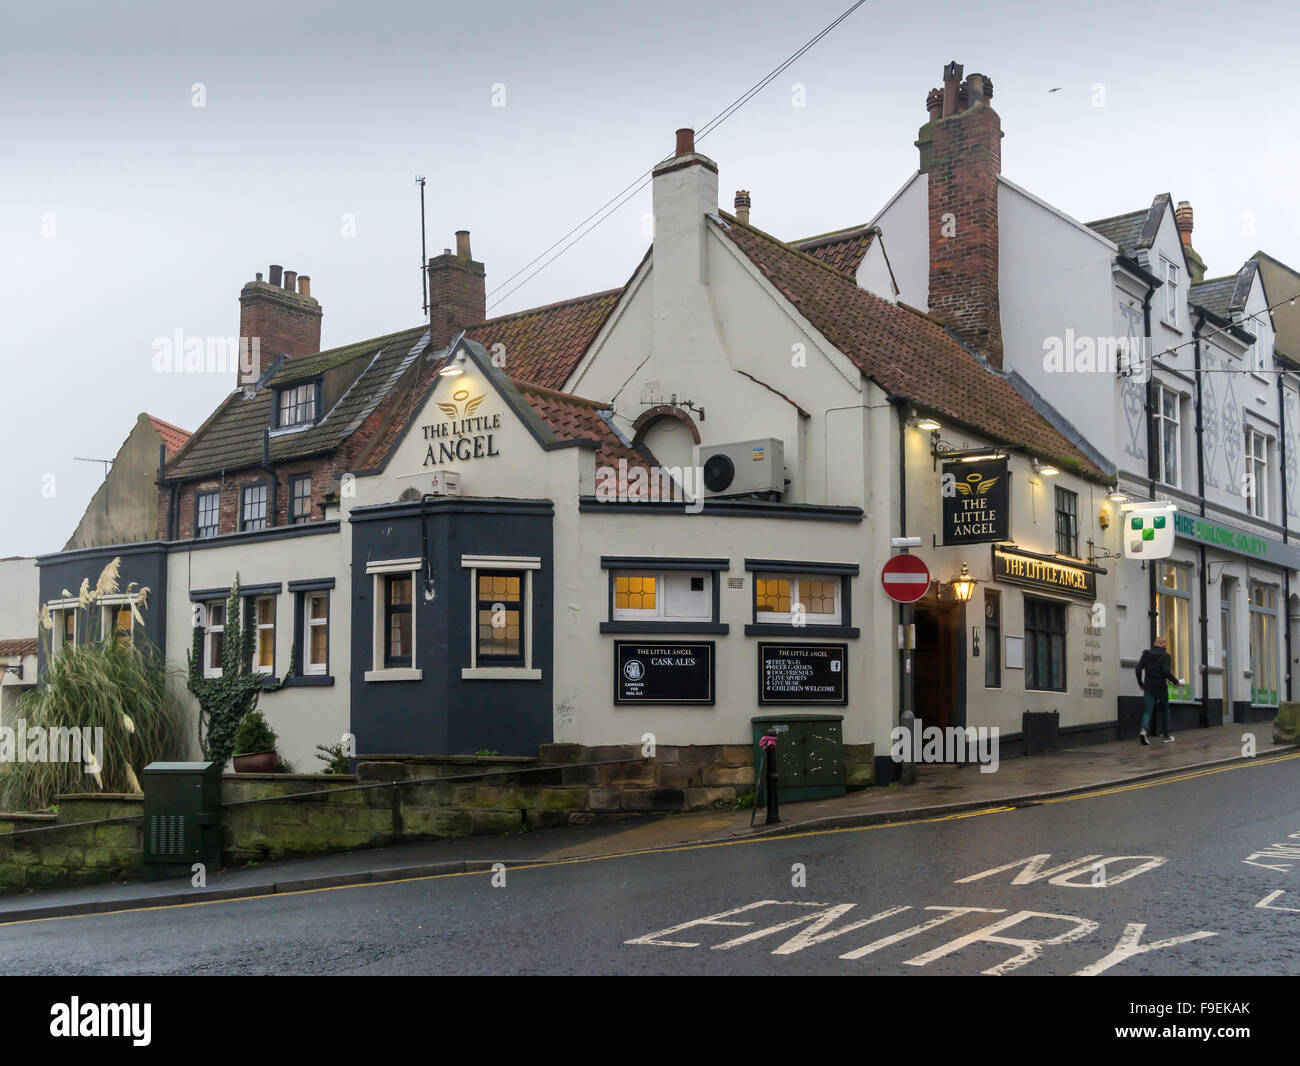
[{"x": 1154, "y": 669}]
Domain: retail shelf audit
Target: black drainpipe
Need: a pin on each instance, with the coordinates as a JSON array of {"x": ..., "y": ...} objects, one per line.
[
  {"x": 1151, "y": 451},
  {"x": 900, "y": 405},
  {"x": 1200, "y": 492},
  {"x": 1286, "y": 573},
  {"x": 273, "y": 493}
]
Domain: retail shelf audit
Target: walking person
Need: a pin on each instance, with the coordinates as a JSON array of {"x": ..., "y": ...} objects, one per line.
[{"x": 1154, "y": 674}]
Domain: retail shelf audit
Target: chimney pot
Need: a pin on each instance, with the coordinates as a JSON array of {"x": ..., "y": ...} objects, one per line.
[
  {"x": 275, "y": 274},
  {"x": 462, "y": 244},
  {"x": 304, "y": 285},
  {"x": 934, "y": 104},
  {"x": 685, "y": 142},
  {"x": 1183, "y": 219},
  {"x": 742, "y": 205},
  {"x": 951, "y": 87},
  {"x": 259, "y": 276},
  {"x": 976, "y": 89},
  {"x": 291, "y": 280}
]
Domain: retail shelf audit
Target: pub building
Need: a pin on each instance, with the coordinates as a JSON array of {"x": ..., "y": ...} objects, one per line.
[{"x": 661, "y": 509}]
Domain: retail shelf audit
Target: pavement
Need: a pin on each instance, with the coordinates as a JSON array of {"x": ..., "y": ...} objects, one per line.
[{"x": 940, "y": 791}]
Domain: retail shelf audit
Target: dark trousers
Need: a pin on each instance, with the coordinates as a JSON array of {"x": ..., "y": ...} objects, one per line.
[{"x": 1159, "y": 701}]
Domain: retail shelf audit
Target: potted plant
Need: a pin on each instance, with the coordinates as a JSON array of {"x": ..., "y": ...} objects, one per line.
[{"x": 254, "y": 747}]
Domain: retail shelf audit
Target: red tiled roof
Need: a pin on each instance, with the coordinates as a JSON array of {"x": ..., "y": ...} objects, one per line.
[
  {"x": 906, "y": 352},
  {"x": 842, "y": 249},
  {"x": 576, "y": 418},
  {"x": 24, "y": 646},
  {"x": 543, "y": 344},
  {"x": 173, "y": 437}
]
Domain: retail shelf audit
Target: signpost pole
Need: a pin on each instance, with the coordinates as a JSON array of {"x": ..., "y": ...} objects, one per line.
[
  {"x": 907, "y": 772},
  {"x": 906, "y": 592}
]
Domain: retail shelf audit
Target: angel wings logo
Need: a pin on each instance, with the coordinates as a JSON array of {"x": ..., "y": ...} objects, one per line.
[
  {"x": 464, "y": 404},
  {"x": 974, "y": 501},
  {"x": 975, "y": 484}
]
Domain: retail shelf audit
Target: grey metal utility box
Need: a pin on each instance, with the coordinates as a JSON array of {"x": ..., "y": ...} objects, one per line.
[{"x": 182, "y": 818}]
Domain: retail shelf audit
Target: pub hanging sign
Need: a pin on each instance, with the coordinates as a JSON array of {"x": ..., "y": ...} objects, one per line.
[{"x": 975, "y": 501}]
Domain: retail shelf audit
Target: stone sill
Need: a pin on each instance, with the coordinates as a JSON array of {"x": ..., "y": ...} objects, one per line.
[{"x": 395, "y": 673}]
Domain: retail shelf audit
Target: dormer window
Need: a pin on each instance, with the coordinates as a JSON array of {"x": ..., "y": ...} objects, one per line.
[{"x": 297, "y": 405}]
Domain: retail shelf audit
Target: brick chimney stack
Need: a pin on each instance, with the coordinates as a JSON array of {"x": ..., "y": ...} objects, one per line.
[
  {"x": 457, "y": 291},
  {"x": 961, "y": 155},
  {"x": 1183, "y": 221},
  {"x": 281, "y": 318}
]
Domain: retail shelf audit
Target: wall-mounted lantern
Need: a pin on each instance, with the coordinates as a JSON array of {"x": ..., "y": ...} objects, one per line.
[{"x": 963, "y": 585}]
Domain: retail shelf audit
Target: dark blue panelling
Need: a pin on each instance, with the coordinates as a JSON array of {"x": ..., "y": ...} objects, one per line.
[
  {"x": 146, "y": 567},
  {"x": 441, "y": 713}
]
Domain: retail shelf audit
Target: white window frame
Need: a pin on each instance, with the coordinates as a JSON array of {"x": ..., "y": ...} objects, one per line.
[
  {"x": 1256, "y": 459},
  {"x": 210, "y": 668},
  {"x": 379, "y": 570},
  {"x": 256, "y": 622},
  {"x": 1176, "y": 420},
  {"x": 660, "y": 611},
  {"x": 1170, "y": 279},
  {"x": 528, "y": 564},
  {"x": 297, "y": 398},
  {"x": 787, "y": 618},
  {"x": 59, "y": 609},
  {"x": 309, "y": 623},
  {"x": 108, "y": 608},
  {"x": 1259, "y": 349},
  {"x": 214, "y": 529}
]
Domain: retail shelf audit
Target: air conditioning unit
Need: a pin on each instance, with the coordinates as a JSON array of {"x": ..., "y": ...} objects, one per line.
[
  {"x": 445, "y": 483},
  {"x": 744, "y": 468}
]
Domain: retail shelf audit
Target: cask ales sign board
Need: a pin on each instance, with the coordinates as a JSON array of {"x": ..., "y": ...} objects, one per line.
[
  {"x": 663, "y": 673},
  {"x": 975, "y": 501}
]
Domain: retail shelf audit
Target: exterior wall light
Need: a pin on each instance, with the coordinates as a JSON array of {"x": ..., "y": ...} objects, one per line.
[
  {"x": 455, "y": 366},
  {"x": 1045, "y": 469},
  {"x": 963, "y": 585},
  {"x": 928, "y": 423}
]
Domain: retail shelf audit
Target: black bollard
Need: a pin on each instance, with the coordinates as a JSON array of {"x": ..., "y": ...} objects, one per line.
[{"x": 768, "y": 743}]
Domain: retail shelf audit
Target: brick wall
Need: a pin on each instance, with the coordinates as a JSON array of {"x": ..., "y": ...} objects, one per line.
[
  {"x": 458, "y": 295},
  {"x": 322, "y": 473},
  {"x": 963, "y": 226},
  {"x": 283, "y": 321}
]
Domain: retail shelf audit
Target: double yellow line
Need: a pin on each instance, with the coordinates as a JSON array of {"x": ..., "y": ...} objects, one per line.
[{"x": 1152, "y": 783}]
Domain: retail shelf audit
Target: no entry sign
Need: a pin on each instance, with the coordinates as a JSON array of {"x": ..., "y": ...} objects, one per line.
[{"x": 905, "y": 578}]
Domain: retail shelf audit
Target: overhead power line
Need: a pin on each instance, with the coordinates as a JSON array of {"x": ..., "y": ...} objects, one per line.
[{"x": 573, "y": 236}]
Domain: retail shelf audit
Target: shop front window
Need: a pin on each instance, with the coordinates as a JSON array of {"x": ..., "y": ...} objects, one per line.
[
  {"x": 1173, "y": 622},
  {"x": 1263, "y": 645},
  {"x": 1045, "y": 645}
]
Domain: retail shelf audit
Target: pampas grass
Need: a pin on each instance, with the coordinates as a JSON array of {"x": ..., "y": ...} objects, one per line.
[{"x": 120, "y": 687}]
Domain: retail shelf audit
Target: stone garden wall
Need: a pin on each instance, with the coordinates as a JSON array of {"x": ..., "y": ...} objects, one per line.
[{"x": 567, "y": 784}]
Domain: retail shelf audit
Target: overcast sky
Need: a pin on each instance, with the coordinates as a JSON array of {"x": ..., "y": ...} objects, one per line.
[{"x": 129, "y": 213}]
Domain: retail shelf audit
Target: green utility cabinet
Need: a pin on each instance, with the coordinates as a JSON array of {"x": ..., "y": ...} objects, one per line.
[
  {"x": 809, "y": 755},
  {"x": 182, "y": 818}
]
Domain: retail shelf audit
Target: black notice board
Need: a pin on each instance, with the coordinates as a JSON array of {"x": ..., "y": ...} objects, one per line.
[
  {"x": 803, "y": 674},
  {"x": 670, "y": 673}
]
